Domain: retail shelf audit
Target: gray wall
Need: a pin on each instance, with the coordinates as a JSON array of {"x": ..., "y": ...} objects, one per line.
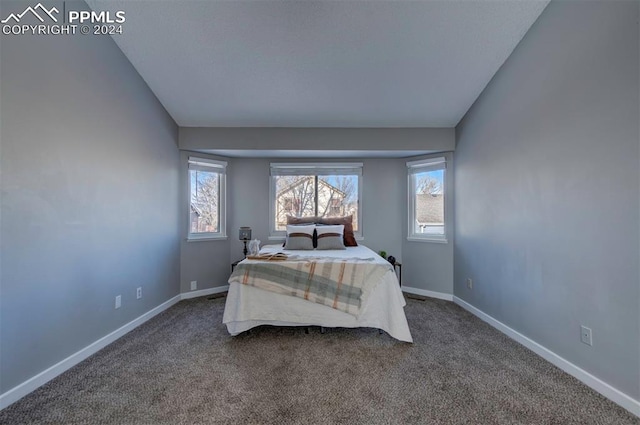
[
  {"x": 384, "y": 204},
  {"x": 89, "y": 198},
  {"x": 248, "y": 202},
  {"x": 546, "y": 192}
]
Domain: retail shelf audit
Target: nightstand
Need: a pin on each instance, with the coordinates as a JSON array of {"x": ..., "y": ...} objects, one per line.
[{"x": 398, "y": 266}]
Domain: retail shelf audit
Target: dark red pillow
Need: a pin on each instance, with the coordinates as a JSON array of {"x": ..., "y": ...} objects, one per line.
[{"x": 302, "y": 220}]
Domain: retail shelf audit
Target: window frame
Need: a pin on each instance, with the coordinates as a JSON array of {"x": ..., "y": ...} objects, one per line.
[
  {"x": 201, "y": 163},
  {"x": 434, "y": 163},
  {"x": 315, "y": 169}
]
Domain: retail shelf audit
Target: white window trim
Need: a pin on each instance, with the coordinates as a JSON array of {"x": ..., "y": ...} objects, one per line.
[
  {"x": 419, "y": 166},
  {"x": 317, "y": 168},
  {"x": 207, "y": 164}
]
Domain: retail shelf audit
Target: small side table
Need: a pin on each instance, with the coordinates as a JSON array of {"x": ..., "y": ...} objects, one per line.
[{"x": 399, "y": 267}]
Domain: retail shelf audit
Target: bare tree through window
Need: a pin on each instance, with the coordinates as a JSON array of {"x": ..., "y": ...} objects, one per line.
[
  {"x": 429, "y": 202},
  {"x": 205, "y": 199},
  {"x": 311, "y": 195}
]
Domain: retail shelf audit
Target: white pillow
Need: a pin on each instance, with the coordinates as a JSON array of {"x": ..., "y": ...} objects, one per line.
[
  {"x": 330, "y": 237},
  {"x": 300, "y": 237}
]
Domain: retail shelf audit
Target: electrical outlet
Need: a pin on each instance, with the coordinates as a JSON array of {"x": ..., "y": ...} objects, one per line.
[
  {"x": 139, "y": 292},
  {"x": 194, "y": 285},
  {"x": 469, "y": 283},
  {"x": 585, "y": 335},
  {"x": 118, "y": 301}
]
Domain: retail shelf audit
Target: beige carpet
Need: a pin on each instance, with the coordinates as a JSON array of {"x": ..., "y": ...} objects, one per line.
[{"x": 183, "y": 368}]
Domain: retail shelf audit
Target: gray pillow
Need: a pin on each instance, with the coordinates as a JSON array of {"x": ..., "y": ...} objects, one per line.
[
  {"x": 330, "y": 237},
  {"x": 300, "y": 237}
]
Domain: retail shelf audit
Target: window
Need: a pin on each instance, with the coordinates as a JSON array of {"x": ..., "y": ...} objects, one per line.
[
  {"x": 207, "y": 190},
  {"x": 427, "y": 199},
  {"x": 310, "y": 190}
]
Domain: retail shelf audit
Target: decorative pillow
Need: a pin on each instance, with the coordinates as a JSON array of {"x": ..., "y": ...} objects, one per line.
[
  {"x": 300, "y": 237},
  {"x": 349, "y": 237},
  {"x": 330, "y": 237},
  {"x": 305, "y": 220}
]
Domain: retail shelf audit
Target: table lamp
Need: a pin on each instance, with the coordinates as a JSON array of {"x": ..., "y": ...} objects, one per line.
[{"x": 245, "y": 235}]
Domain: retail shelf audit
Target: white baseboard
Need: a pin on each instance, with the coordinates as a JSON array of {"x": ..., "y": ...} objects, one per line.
[
  {"x": 426, "y": 293},
  {"x": 585, "y": 377},
  {"x": 45, "y": 376},
  {"x": 203, "y": 292}
]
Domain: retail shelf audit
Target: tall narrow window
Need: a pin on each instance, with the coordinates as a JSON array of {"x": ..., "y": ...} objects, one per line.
[
  {"x": 315, "y": 190},
  {"x": 427, "y": 199},
  {"x": 206, "y": 198}
]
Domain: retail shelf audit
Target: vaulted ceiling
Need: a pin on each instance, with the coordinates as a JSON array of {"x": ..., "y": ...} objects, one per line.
[{"x": 320, "y": 63}]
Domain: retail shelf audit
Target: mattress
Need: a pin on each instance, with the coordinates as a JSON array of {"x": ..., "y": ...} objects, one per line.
[{"x": 247, "y": 306}]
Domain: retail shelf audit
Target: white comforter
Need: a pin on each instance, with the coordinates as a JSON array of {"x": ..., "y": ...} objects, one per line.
[{"x": 247, "y": 306}]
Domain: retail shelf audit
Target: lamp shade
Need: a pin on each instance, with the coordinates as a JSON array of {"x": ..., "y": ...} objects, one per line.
[{"x": 245, "y": 234}]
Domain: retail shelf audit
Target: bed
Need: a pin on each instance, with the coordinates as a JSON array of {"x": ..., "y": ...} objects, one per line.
[{"x": 381, "y": 306}]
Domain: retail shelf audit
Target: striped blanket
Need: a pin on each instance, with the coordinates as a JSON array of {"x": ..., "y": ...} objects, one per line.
[{"x": 342, "y": 284}]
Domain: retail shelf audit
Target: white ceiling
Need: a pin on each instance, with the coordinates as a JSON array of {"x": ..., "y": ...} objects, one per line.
[{"x": 320, "y": 63}]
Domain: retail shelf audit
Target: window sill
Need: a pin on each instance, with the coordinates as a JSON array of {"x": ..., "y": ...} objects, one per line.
[
  {"x": 431, "y": 240},
  {"x": 207, "y": 238}
]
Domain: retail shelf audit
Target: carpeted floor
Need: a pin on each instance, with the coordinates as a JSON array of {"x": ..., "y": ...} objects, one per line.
[{"x": 183, "y": 368}]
